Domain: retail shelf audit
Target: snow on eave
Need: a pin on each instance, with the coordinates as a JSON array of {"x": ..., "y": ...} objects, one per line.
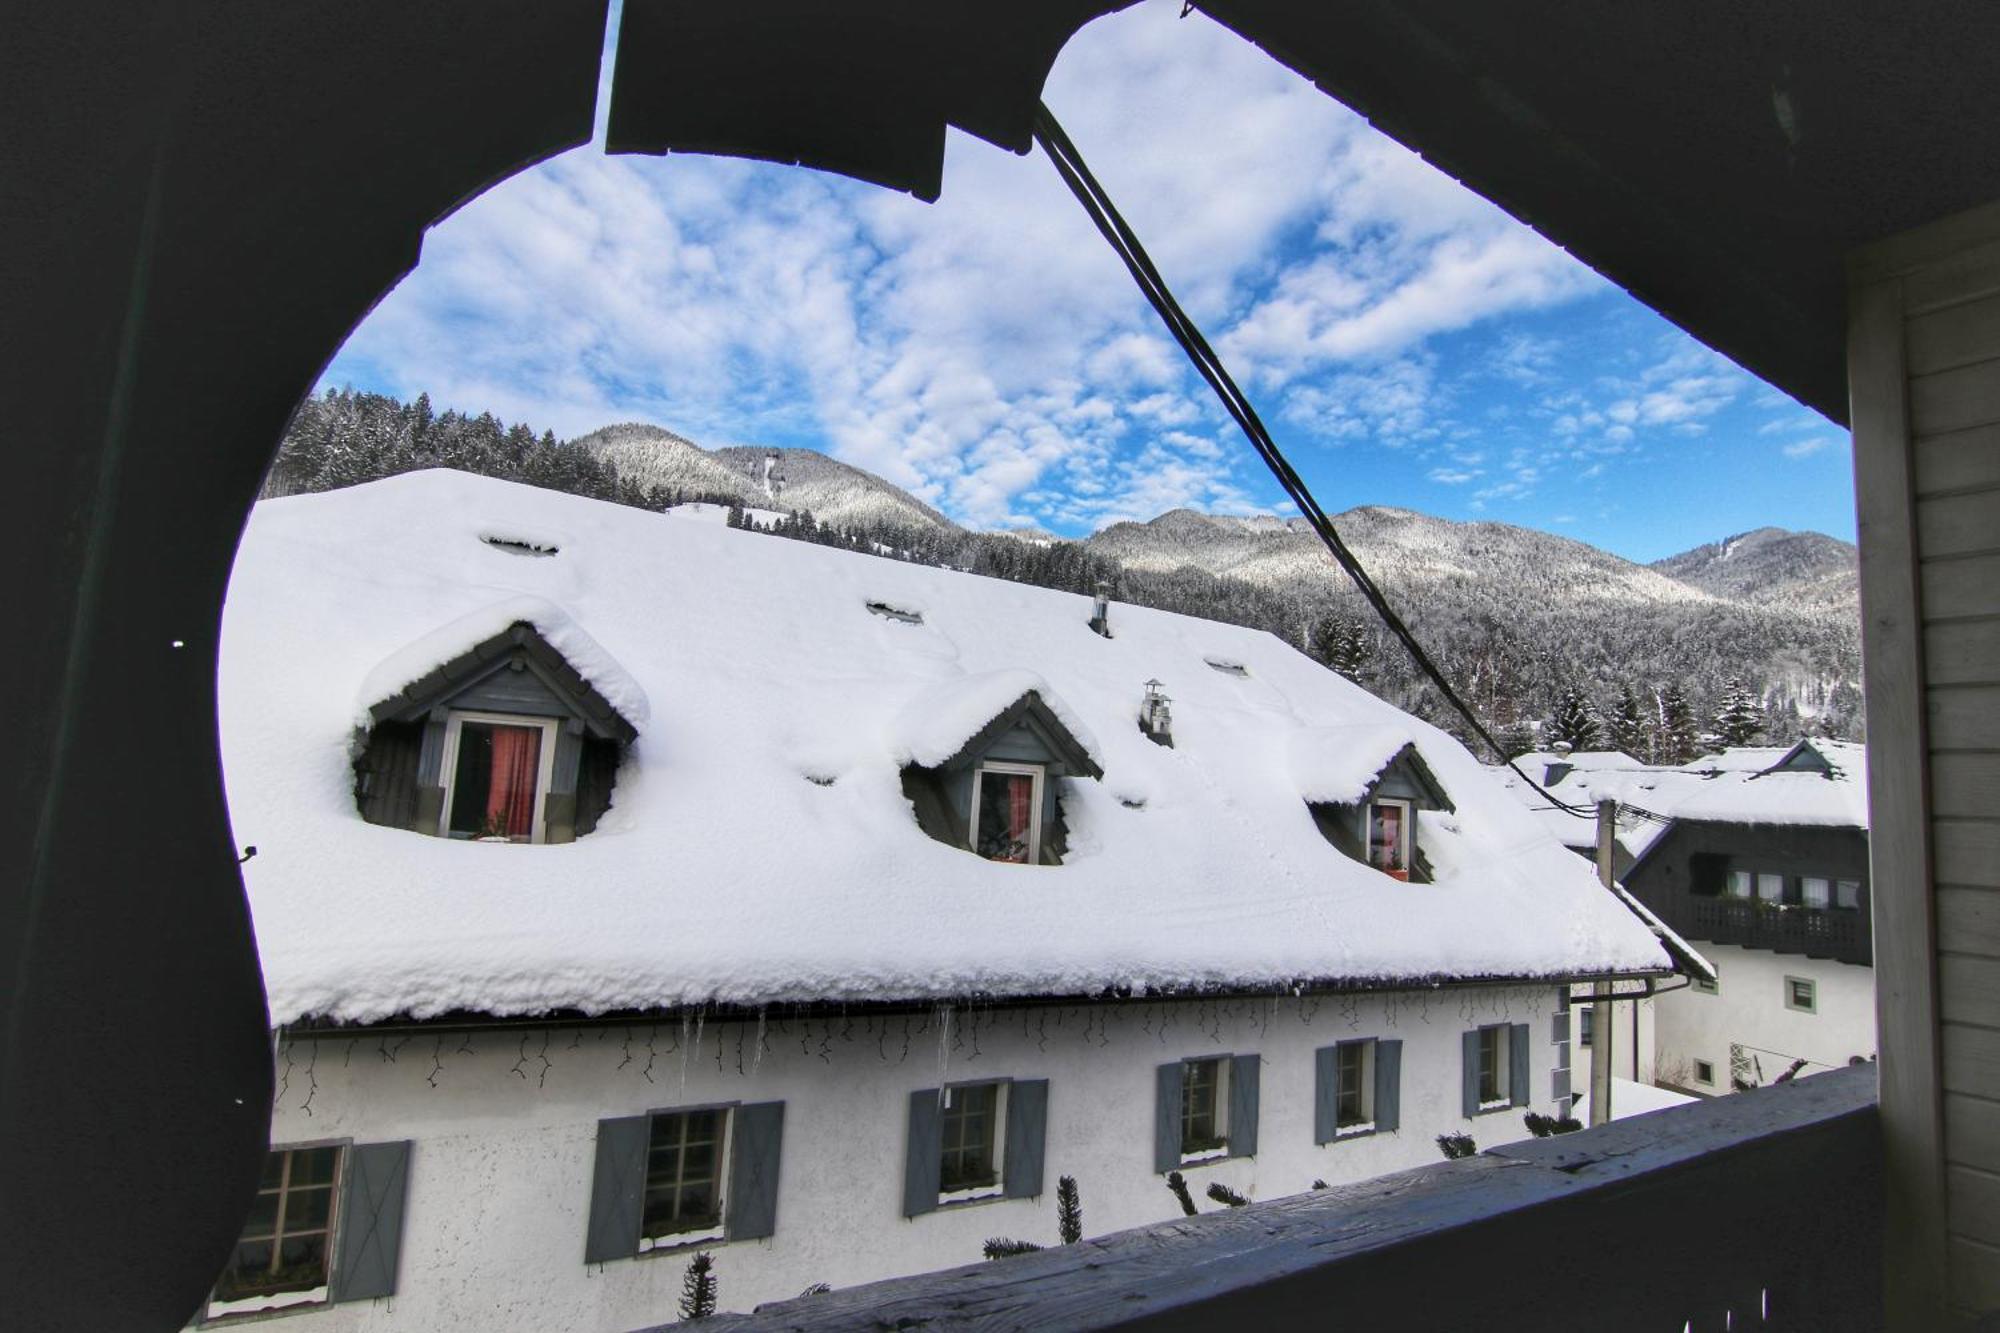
[
  {"x": 420, "y": 657},
  {"x": 1338, "y": 765},
  {"x": 941, "y": 719}
]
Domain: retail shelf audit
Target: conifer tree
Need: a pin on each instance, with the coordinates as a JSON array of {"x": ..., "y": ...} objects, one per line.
[
  {"x": 1627, "y": 725},
  {"x": 1572, "y": 723},
  {"x": 698, "y": 1287},
  {"x": 1676, "y": 741},
  {"x": 1516, "y": 739},
  {"x": 1740, "y": 719},
  {"x": 1069, "y": 1211}
]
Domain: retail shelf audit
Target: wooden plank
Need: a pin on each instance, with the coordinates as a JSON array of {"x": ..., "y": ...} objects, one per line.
[
  {"x": 1972, "y": 1202},
  {"x": 1968, "y": 853},
  {"x": 1964, "y": 717},
  {"x": 1967, "y": 523},
  {"x": 1955, "y": 335},
  {"x": 1949, "y": 243},
  {"x": 1899, "y": 850},
  {"x": 1965, "y": 784},
  {"x": 1970, "y": 919},
  {"x": 1962, "y": 652},
  {"x": 1957, "y": 588},
  {"x": 1964, "y": 277},
  {"x": 1955, "y": 399},
  {"x": 1971, "y": 1058},
  {"x": 1959, "y": 460},
  {"x": 1975, "y": 1275},
  {"x": 1969, "y": 989},
  {"x": 1972, "y": 1131}
]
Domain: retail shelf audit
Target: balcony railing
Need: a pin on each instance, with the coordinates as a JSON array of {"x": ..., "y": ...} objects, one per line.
[
  {"x": 1760, "y": 1210},
  {"x": 1816, "y": 932}
]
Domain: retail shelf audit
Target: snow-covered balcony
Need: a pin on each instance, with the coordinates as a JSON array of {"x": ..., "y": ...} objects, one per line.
[{"x": 1762, "y": 1210}]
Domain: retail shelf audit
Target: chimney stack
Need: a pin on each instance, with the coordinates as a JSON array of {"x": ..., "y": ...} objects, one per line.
[{"x": 1100, "y": 614}]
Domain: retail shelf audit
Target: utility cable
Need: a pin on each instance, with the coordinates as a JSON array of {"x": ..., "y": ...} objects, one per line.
[{"x": 1111, "y": 224}]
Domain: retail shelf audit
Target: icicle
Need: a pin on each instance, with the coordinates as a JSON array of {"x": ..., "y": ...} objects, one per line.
[
  {"x": 687, "y": 1046},
  {"x": 757, "y": 1057},
  {"x": 944, "y": 1045}
]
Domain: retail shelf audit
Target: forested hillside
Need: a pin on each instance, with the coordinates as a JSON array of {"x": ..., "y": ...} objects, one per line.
[{"x": 1521, "y": 621}]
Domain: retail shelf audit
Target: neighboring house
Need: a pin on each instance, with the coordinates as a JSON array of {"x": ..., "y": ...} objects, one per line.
[
  {"x": 628, "y": 886},
  {"x": 1760, "y": 861}
]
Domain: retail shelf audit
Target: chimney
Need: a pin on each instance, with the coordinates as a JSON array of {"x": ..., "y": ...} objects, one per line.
[
  {"x": 1100, "y": 613},
  {"x": 1156, "y": 722}
]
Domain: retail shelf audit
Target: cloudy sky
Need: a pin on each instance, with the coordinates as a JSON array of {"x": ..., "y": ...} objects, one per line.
[{"x": 1409, "y": 343}]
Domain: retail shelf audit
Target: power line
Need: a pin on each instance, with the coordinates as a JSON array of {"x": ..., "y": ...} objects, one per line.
[{"x": 1111, "y": 224}]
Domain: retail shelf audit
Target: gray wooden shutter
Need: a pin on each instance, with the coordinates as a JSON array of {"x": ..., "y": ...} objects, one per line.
[
  {"x": 1243, "y": 1073},
  {"x": 924, "y": 1165},
  {"x": 1517, "y": 1065},
  {"x": 1027, "y": 1134},
  {"x": 1388, "y": 1085},
  {"x": 752, "y": 1206},
  {"x": 1167, "y": 1118},
  {"x": 1326, "y": 1087},
  {"x": 370, "y": 1227},
  {"x": 1470, "y": 1045},
  {"x": 617, "y": 1188}
]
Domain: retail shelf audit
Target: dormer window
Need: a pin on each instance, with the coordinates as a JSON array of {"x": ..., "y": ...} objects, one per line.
[
  {"x": 497, "y": 771},
  {"x": 1000, "y": 795},
  {"x": 1007, "y": 811},
  {"x": 505, "y": 742},
  {"x": 1391, "y": 826}
]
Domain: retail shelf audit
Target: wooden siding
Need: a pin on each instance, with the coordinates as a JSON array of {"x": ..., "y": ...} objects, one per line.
[
  {"x": 386, "y": 774},
  {"x": 1925, "y": 378}
]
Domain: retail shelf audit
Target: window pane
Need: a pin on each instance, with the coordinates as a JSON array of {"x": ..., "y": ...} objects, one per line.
[
  {"x": 274, "y": 1170},
  {"x": 313, "y": 1166},
  {"x": 1847, "y": 893},
  {"x": 1198, "y": 1099},
  {"x": 1386, "y": 839},
  {"x": 1492, "y": 1074},
  {"x": 683, "y": 1172},
  {"x": 1006, "y": 814},
  {"x": 493, "y": 789},
  {"x": 1771, "y": 888},
  {"x": 1816, "y": 892},
  {"x": 308, "y": 1209},
  {"x": 1739, "y": 884},
  {"x": 263, "y": 1219}
]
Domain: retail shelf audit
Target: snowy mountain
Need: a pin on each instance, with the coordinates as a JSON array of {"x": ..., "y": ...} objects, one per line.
[
  {"x": 832, "y": 491},
  {"x": 1772, "y": 567}
]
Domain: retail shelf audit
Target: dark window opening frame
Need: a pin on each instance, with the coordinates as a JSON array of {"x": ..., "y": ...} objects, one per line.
[
  {"x": 1000, "y": 795},
  {"x": 1383, "y": 827}
]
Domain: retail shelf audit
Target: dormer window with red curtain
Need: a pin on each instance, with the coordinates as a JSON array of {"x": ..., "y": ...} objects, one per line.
[
  {"x": 499, "y": 769},
  {"x": 1007, "y": 812},
  {"x": 1389, "y": 825}
]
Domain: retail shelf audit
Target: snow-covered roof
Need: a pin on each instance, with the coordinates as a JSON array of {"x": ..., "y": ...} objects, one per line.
[
  {"x": 1629, "y": 1099},
  {"x": 1338, "y": 764},
  {"x": 1814, "y": 782},
  {"x": 759, "y": 848}
]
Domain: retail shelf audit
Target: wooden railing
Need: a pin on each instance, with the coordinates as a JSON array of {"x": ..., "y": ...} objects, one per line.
[
  {"x": 1759, "y": 1210},
  {"x": 1817, "y": 932}
]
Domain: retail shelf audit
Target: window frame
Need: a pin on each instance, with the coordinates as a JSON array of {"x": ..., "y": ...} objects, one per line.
[
  {"x": 1586, "y": 1026},
  {"x": 1219, "y": 1111},
  {"x": 1364, "y": 1091},
  {"x": 290, "y": 1302},
  {"x": 1039, "y": 794},
  {"x": 455, "y": 720},
  {"x": 1811, "y": 1006},
  {"x": 671, "y": 1242},
  {"x": 1501, "y": 1038},
  {"x": 1709, "y": 1080},
  {"x": 1406, "y": 849},
  {"x": 998, "y": 1129}
]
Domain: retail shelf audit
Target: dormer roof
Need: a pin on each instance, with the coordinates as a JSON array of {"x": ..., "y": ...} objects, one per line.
[{"x": 520, "y": 646}]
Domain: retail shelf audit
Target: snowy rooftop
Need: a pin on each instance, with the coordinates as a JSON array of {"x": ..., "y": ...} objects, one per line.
[{"x": 759, "y": 848}]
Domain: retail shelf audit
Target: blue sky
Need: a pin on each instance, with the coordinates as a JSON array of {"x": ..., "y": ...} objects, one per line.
[{"x": 1408, "y": 343}]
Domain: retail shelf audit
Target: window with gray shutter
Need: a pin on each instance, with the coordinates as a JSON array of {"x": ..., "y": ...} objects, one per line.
[
  {"x": 1326, "y": 1094},
  {"x": 1388, "y": 1085},
  {"x": 1517, "y": 1071},
  {"x": 922, "y": 1160},
  {"x": 751, "y": 1206},
  {"x": 1243, "y": 1075},
  {"x": 1167, "y": 1118},
  {"x": 1027, "y": 1131},
  {"x": 1469, "y": 1045},
  {"x": 617, "y": 1189},
  {"x": 369, "y": 1232}
]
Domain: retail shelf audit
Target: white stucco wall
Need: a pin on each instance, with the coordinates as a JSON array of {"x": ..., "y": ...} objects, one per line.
[
  {"x": 1749, "y": 1010},
  {"x": 1633, "y": 1044},
  {"x": 500, "y": 1174}
]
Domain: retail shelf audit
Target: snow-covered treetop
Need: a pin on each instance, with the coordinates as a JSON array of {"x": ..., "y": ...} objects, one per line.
[{"x": 759, "y": 848}]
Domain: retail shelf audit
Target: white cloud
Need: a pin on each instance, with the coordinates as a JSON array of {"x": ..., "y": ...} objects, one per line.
[{"x": 1808, "y": 447}]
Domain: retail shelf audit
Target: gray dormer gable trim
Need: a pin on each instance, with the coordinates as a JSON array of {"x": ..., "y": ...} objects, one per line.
[
  {"x": 1406, "y": 775},
  {"x": 1032, "y": 714},
  {"x": 1805, "y": 757},
  {"x": 519, "y": 644}
]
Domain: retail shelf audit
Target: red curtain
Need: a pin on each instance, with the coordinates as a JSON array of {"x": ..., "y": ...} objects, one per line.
[
  {"x": 510, "y": 797},
  {"x": 1020, "y": 799}
]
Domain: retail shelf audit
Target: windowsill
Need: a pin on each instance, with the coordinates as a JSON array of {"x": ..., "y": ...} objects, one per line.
[
  {"x": 1359, "y": 1130},
  {"x": 283, "y": 1302},
  {"x": 681, "y": 1240},
  {"x": 1488, "y": 1108},
  {"x": 959, "y": 1198},
  {"x": 1205, "y": 1156}
]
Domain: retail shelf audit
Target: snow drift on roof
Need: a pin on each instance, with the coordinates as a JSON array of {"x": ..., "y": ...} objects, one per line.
[
  {"x": 1339, "y": 764},
  {"x": 942, "y": 716},
  {"x": 759, "y": 848}
]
